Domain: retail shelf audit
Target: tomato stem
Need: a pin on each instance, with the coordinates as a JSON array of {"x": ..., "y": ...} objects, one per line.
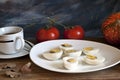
[
  {"x": 47, "y": 27},
  {"x": 118, "y": 21},
  {"x": 53, "y": 21}
]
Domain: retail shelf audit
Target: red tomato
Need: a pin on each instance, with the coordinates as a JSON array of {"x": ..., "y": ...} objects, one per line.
[
  {"x": 44, "y": 34},
  {"x": 76, "y": 32},
  {"x": 111, "y": 28}
]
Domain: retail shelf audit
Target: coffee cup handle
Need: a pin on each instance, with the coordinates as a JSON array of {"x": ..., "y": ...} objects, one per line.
[{"x": 21, "y": 45}]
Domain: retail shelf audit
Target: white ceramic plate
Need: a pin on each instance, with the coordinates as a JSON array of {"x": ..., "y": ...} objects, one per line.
[
  {"x": 111, "y": 54},
  {"x": 25, "y": 51}
]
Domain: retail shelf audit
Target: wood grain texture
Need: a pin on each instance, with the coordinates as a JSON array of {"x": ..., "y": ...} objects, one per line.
[{"x": 38, "y": 73}]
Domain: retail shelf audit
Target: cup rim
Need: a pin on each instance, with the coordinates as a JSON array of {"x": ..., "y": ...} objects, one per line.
[{"x": 14, "y": 27}]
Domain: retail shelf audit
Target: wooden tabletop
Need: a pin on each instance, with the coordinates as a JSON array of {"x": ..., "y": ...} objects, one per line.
[{"x": 39, "y": 73}]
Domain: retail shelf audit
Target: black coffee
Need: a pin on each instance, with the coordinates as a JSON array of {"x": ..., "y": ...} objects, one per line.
[{"x": 9, "y": 33}]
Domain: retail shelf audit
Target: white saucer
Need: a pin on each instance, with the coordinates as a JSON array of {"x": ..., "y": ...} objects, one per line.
[{"x": 25, "y": 51}]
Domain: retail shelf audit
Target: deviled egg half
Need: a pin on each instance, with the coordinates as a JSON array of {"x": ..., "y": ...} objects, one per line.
[
  {"x": 53, "y": 54},
  {"x": 93, "y": 59},
  {"x": 70, "y": 63},
  {"x": 90, "y": 50},
  {"x": 66, "y": 46},
  {"x": 73, "y": 53}
]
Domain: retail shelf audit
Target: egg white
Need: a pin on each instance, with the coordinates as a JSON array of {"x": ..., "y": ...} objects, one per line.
[
  {"x": 77, "y": 53},
  {"x": 100, "y": 59},
  {"x": 53, "y": 56},
  {"x": 69, "y": 65}
]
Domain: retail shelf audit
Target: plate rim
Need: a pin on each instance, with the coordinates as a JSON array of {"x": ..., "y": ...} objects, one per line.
[{"x": 102, "y": 68}]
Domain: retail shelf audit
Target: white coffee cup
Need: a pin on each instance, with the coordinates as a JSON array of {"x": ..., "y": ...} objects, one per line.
[{"x": 11, "y": 39}]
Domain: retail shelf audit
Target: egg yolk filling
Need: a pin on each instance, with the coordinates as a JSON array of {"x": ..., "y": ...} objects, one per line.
[
  {"x": 66, "y": 45},
  {"x": 91, "y": 57},
  {"x": 54, "y": 50},
  {"x": 71, "y": 60},
  {"x": 88, "y": 48},
  {"x": 70, "y": 51}
]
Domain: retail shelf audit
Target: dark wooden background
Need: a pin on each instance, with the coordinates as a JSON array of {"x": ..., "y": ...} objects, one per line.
[{"x": 32, "y": 14}]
